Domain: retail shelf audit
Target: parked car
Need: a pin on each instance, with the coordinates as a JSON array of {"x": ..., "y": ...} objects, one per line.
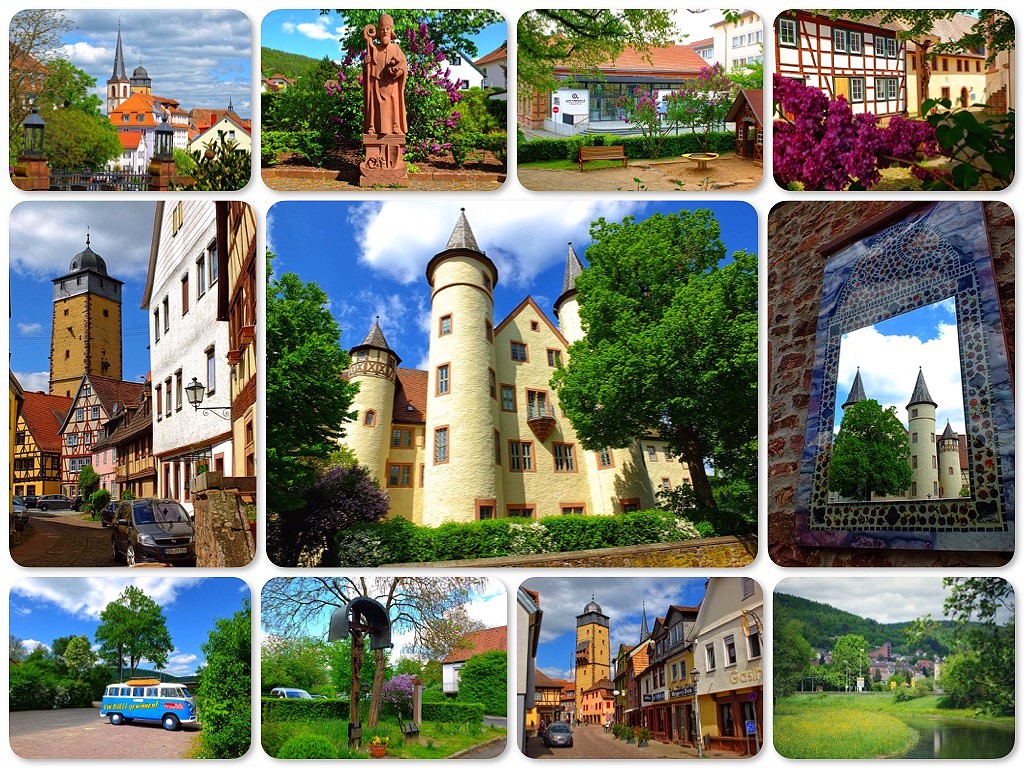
[
  {"x": 108, "y": 513},
  {"x": 19, "y": 513},
  {"x": 152, "y": 531},
  {"x": 290, "y": 693},
  {"x": 53, "y": 501},
  {"x": 31, "y": 501},
  {"x": 558, "y": 735},
  {"x": 76, "y": 504}
]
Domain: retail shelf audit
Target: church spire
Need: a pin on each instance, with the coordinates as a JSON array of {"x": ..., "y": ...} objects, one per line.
[
  {"x": 856, "y": 391},
  {"x": 921, "y": 394},
  {"x": 462, "y": 235},
  {"x": 119, "y": 71},
  {"x": 644, "y": 630},
  {"x": 573, "y": 269}
]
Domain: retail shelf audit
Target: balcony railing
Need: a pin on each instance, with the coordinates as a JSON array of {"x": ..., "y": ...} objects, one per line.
[{"x": 541, "y": 418}]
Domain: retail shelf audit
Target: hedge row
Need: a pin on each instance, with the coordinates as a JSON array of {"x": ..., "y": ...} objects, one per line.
[
  {"x": 399, "y": 541},
  {"x": 451, "y": 712},
  {"x": 566, "y": 147},
  {"x": 303, "y": 709}
]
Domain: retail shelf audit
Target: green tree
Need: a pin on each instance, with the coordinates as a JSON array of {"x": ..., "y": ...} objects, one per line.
[
  {"x": 76, "y": 140},
  {"x": 88, "y": 481},
  {"x": 339, "y": 662},
  {"x": 292, "y": 662},
  {"x": 223, "y": 695},
  {"x": 221, "y": 166},
  {"x": 308, "y": 396},
  {"x": 993, "y": 32},
  {"x": 792, "y": 657},
  {"x": 79, "y": 656},
  {"x": 748, "y": 77},
  {"x": 586, "y": 38},
  {"x": 133, "y": 627},
  {"x": 702, "y": 103},
  {"x": 670, "y": 346},
  {"x": 850, "y": 658},
  {"x": 17, "y": 651},
  {"x": 483, "y": 679},
  {"x": 451, "y": 30},
  {"x": 309, "y": 116},
  {"x": 871, "y": 453}
]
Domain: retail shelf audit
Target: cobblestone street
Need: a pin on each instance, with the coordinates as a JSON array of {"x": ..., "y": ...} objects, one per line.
[{"x": 591, "y": 742}]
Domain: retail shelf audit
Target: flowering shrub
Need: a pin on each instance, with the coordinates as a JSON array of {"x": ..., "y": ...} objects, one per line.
[
  {"x": 641, "y": 108},
  {"x": 822, "y": 145},
  {"x": 396, "y": 694},
  {"x": 702, "y": 104},
  {"x": 339, "y": 498}
]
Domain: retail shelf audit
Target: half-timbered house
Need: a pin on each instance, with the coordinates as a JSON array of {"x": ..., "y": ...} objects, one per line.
[
  {"x": 37, "y": 444},
  {"x": 129, "y": 434},
  {"x": 864, "y": 63}
]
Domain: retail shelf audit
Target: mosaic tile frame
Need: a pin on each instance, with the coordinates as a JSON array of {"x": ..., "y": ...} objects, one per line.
[{"x": 933, "y": 253}]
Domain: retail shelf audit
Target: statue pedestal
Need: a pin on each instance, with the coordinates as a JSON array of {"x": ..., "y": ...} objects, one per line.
[{"x": 383, "y": 164}]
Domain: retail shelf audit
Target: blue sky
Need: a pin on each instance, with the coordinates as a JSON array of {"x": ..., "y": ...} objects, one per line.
[
  {"x": 120, "y": 232},
  {"x": 43, "y": 609},
  {"x": 889, "y": 355},
  {"x": 370, "y": 257},
  {"x": 621, "y": 600},
  {"x": 201, "y": 58},
  {"x": 311, "y": 34}
]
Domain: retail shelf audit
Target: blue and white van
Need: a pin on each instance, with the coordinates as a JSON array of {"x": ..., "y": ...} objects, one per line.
[{"x": 148, "y": 699}]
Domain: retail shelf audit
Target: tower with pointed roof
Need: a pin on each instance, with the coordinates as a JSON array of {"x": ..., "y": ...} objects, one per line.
[
  {"x": 950, "y": 474},
  {"x": 118, "y": 85},
  {"x": 85, "y": 335},
  {"x": 374, "y": 367},
  {"x": 461, "y": 414},
  {"x": 593, "y": 651},
  {"x": 924, "y": 469}
]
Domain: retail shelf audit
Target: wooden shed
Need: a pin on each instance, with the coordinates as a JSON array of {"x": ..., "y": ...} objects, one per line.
[{"x": 747, "y": 111}]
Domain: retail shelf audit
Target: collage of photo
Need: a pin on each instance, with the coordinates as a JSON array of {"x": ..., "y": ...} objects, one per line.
[{"x": 396, "y": 315}]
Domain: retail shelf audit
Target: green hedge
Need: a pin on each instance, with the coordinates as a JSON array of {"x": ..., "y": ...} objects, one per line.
[
  {"x": 397, "y": 540},
  {"x": 303, "y": 709},
  {"x": 565, "y": 147},
  {"x": 451, "y": 712}
]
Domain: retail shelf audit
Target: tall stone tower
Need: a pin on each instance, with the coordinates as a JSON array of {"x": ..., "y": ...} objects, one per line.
[
  {"x": 924, "y": 470},
  {"x": 593, "y": 652},
  {"x": 373, "y": 367},
  {"x": 86, "y": 329},
  {"x": 567, "y": 306},
  {"x": 950, "y": 476},
  {"x": 460, "y": 471},
  {"x": 118, "y": 86}
]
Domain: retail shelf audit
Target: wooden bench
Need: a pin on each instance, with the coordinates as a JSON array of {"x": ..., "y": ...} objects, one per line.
[{"x": 617, "y": 152}]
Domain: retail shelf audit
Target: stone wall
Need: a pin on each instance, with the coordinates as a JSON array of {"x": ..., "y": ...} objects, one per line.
[
  {"x": 796, "y": 231},
  {"x": 223, "y": 536},
  {"x": 721, "y": 552}
]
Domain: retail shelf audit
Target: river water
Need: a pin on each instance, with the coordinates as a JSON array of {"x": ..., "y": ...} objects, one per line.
[{"x": 958, "y": 739}]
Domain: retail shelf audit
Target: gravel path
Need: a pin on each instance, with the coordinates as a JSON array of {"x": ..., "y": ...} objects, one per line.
[{"x": 726, "y": 174}]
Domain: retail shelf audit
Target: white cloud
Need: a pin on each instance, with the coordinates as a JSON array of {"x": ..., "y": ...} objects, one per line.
[
  {"x": 84, "y": 54},
  {"x": 557, "y": 673},
  {"x": 35, "y": 381},
  {"x": 27, "y": 329},
  {"x": 31, "y": 645},
  {"x": 399, "y": 237},
  {"x": 85, "y": 598},
  {"x": 179, "y": 664},
  {"x": 288, "y": 27},
  {"x": 490, "y": 608},
  {"x": 318, "y": 30}
]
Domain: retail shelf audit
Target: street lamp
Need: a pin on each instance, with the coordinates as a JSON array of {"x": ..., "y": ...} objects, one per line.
[
  {"x": 194, "y": 393},
  {"x": 34, "y": 128},
  {"x": 695, "y": 674},
  {"x": 164, "y": 141}
]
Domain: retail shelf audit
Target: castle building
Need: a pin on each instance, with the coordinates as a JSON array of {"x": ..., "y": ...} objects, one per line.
[
  {"x": 593, "y": 661},
  {"x": 938, "y": 466},
  {"x": 85, "y": 335},
  {"x": 479, "y": 434}
]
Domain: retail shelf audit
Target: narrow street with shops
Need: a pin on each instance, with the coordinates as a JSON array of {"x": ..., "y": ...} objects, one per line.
[{"x": 593, "y": 742}]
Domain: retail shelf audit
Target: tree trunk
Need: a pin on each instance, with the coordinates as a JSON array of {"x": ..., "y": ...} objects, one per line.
[
  {"x": 692, "y": 451},
  {"x": 357, "y": 667},
  {"x": 380, "y": 663}
]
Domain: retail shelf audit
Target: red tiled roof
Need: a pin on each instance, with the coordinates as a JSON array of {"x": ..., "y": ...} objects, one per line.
[
  {"x": 702, "y": 43},
  {"x": 543, "y": 681},
  {"x": 130, "y": 139},
  {"x": 411, "y": 396},
  {"x": 475, "y": 643},
  {"x": 145, "y": 104},
  {"x": 43, "y": 415},
  {"x": 499, "y": 53},
  {"x": 111, "y": 391},
  {"x": 671, "y": 59},
  {"x": 752, "y": 96}
]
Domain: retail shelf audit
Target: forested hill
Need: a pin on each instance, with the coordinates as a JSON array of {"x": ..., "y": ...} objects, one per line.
[
  {"x": 823, "y": 624},
  {"x": 275, "y": 62}
]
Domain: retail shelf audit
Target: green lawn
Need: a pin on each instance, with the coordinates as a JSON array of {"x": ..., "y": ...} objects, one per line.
[
  {"x": 435, "y": 739},
  {"x": 572, "y": 165},
  {"x": 851, "y": 726}
]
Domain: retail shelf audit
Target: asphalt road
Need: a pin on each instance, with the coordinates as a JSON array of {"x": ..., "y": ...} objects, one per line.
[
  {"x": 81, "y": 733},
  {"x": 58, "y": 538},
  {"x": 591, "y": 741}
]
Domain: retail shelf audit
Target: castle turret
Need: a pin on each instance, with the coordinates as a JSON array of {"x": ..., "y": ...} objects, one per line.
[
  {"x": 460, "y": 478},
  {"x": 856, "y": 391},
  {"x": 118, "y": 86},
  {"x": 924, "y": 468},
  {"x": 567, "y": 306},
  {"x": 950, "y": 475},
  {"x": 373, "y": 367}
]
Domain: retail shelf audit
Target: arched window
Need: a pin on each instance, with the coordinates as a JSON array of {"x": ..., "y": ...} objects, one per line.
[{"x": 370, "y": 419}]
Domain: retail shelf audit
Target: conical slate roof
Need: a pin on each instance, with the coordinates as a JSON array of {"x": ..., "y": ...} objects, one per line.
[
  {"x": 856, "y": 392},
  {"x": 462, "y": 236},
  {"x": 119, "y": 73},
  {"x": 375, "y": 337},
  {"x": 949, "y": 434},
  {"x": 573, "y": 269},
  {"x": 921, "y": 395},
  {"x": 644, "y": 630}
]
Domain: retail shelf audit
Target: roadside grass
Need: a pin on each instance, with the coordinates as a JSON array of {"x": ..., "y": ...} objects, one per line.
[
  {"x": 845, "y": 726},
  {"x": 571, "y": 165},
  {"x": 436, "y": 740}
]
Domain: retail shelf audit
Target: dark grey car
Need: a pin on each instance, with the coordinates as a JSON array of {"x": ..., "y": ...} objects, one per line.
[
  {"x": 558, "y": 735},
  {"x": 153, "y": 531}
]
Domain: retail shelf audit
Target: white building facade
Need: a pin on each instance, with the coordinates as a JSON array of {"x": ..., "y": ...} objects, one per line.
[
  {"x": 739, "y": 43},
  {"x": 187, "y": 341}
]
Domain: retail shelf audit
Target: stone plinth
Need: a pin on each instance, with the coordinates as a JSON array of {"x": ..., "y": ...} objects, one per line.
[
  {"x": 383, "y": 164},
  {"x": 161, "y": 174},
  {"x": 31, "y": 174}
]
